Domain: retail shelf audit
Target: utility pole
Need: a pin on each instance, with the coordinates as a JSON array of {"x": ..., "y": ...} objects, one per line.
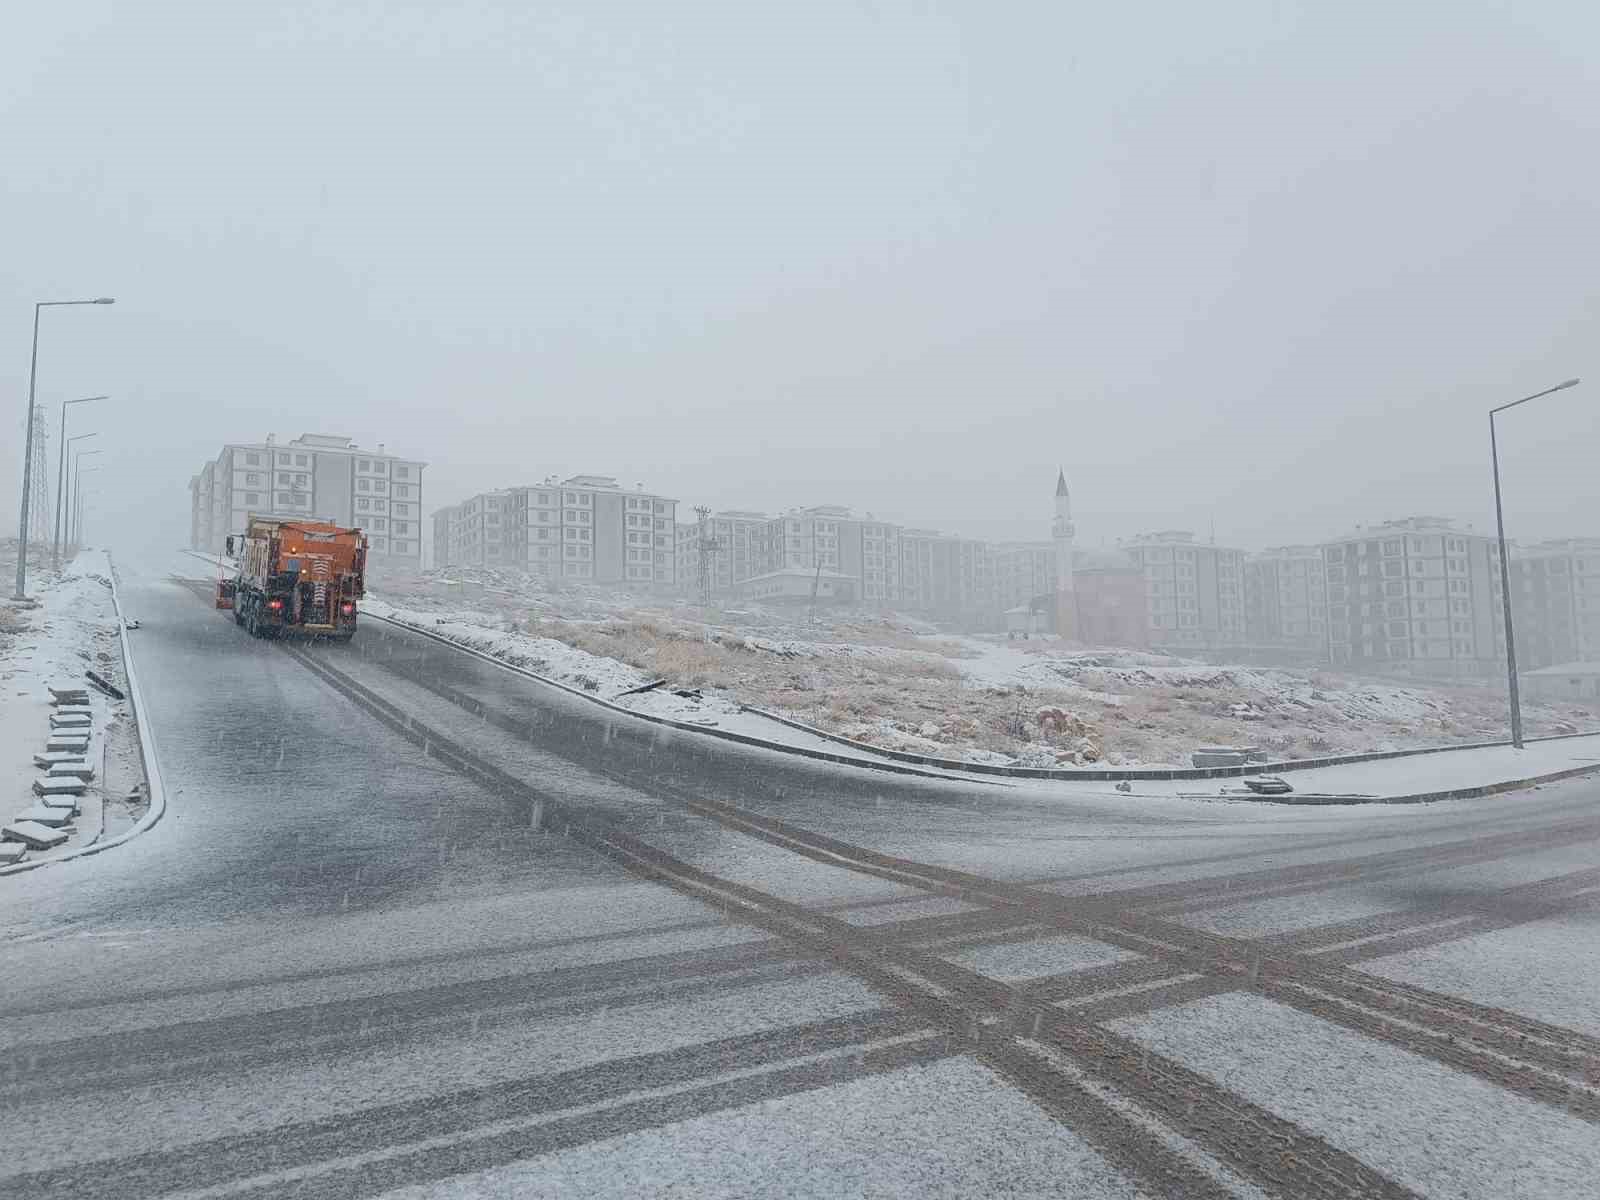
[
  {"x": 39, "y": 481},
  {"x": 708, "y": 549}
]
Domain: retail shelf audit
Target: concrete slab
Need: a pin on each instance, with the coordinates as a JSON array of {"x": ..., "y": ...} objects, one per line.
[
  {"x": 11, "y": 852},
  {"x": 43, "y": 814},
  {"x": 58, "y": 787},
  {"x": 66, "y": 692},
  {"x": 67, "y": 741},
  {"x": 52, "y": 757},
  {"x": 32, "y": 834},
  {"x": 71, "y": 721},
  {"x": 73, "y": 770}
]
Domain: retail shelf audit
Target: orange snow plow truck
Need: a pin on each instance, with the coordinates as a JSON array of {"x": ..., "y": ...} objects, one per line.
[{"x": 296, "y": 577}]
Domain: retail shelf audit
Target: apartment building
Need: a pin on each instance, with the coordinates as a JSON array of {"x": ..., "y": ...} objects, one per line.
[
  {"x": 1194, "y": 591},
  {"x": 1555, "y": 601},
  {"x": 1023, "y": 573},
  {"x": 314, "y": 477},
  {"x": 1418, "y": 594},
  {"x": 1286, "y": 600},
  {"x": 480, "y": 532},
  {"x": 586, "y": 528},
  {"x": 808, "y": 550}
]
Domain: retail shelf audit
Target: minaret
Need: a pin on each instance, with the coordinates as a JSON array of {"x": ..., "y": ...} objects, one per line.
[{"x": 1062, "y": 530}]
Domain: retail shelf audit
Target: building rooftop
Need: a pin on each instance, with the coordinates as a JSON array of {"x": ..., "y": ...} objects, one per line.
[{"x": 1410, "y": 525}]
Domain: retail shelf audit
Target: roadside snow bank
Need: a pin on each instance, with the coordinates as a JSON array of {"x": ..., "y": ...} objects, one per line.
[{"x": 72, "y": 627}]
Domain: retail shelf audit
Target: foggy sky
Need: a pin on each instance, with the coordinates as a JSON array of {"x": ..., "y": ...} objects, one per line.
[{"x": 1256, "y": 266}]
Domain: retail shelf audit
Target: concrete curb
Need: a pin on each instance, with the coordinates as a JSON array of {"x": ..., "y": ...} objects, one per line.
[
  {"x": 147, "y": 752},
  {"x": 1119, "y": 774},
  {"x": 726, "y": 735}
]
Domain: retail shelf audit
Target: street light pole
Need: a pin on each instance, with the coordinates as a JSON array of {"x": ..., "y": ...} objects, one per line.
[
  {"x": 61, "y": 476},
  {"x": 1505, "y": 564},
  {"x": 77, "y": 506},
  {"x": 27, "y": 444},
  {"x": 61, "y": 480},
  {"x": 77, "y": 471}
]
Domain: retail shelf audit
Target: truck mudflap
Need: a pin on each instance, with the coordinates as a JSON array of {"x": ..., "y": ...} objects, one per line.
[{"x": 224, "y": 593}]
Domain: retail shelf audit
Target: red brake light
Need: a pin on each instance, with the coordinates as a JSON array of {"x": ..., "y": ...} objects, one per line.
[
  {"x": 347, "y": 607},
  {"x": 274, "y": 604}
]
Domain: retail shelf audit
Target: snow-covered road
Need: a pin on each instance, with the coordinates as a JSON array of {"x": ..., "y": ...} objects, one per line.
[{"x": 344, "y": 965}]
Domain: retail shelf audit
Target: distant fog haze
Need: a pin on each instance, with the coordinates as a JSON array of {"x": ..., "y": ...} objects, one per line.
[{"x": 1257, "y": 268}]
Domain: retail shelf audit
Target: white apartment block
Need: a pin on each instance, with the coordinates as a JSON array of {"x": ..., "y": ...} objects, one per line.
[
  {"x": 841, "y": 557},
  {"x": 479, "y": 531},
  {"x": 1194, "y": 590},
  {"x": 585, "y": 528},
  {"x": 1286, "y": 599},
  {"x": 314, "y": 477},
  {"x": 1024, "y": 572},
  {"x": 1555, "y": 602},
  {"x": 1418, "y": 594},
  {"x": 804, "y": 551}
]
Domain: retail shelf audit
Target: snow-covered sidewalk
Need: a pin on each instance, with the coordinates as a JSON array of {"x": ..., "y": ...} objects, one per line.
[
  {"x": 73, "y": 628},
  {"x": 1412, "y": 776}
]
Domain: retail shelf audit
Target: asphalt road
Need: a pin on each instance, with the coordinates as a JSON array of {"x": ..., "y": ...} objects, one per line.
[{"x": 415, "y": 925}]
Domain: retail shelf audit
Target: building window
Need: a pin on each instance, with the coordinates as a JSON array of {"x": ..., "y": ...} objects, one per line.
[
  {"x": 252, "y": 498},
  {"x": 402, "y": 489},
  {"x": 402, "y": 472},
  {"x": 253, "y": 460}
]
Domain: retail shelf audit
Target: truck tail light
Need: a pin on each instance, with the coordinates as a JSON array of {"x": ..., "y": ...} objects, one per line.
[
  {"x": 347, "y": 608},
  {"x": 274, "y": 605}
]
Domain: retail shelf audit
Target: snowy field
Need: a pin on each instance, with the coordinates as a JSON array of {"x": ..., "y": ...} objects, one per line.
[{"x": 901, "y": 683}]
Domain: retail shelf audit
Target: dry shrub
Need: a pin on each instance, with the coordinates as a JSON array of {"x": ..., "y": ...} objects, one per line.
[
  {"x": 909, "y": 666},
  {"x": 692, "y": 664}
]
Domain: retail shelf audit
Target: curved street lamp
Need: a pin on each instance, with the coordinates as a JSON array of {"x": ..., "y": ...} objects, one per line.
[
  {"x": 1505, "y": 565},
  {"x": 61, "y": 474},
  {"x": 77, "y": 478},
  {"x": 77, "y": 504}
]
